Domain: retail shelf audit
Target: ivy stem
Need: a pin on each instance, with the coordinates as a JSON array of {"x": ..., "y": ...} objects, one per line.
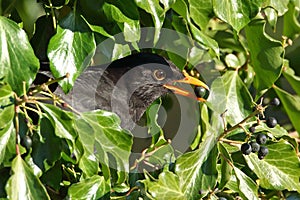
[
  {"x": 238, "y": 125},
  {"x": 17, "y": 127}
]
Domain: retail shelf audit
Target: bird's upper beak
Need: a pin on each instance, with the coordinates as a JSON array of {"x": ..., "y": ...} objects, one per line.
[{"x": 189, "y": 80}]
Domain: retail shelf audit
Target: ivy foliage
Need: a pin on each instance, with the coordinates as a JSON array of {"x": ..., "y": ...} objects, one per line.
[{"x": 253, "y": 48}]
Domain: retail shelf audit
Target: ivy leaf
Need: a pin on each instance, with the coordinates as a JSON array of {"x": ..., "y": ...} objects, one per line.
[
  {"x": 130, "y": 27},
  {"x": 49, "y": 144},
  {"x": 200, "y": 12},
  {"x": 71, "y": 49},
  {"x": 279, "y": 170},
  {"x": 109, "y": 140},
  {"x": 291, "y": 26},
  {"x": 247, "y": 187},
  {"x": 237, "y": 13},
  {"x": 280, "y": 6},
  {"x": 7, "y": 131},
  {"x": 191, "y": 169},
  {"x": 91, "y": 188},
  {"x": 17, "y": 56},
  {"x": 6, "y": 105},
  {"x": 266, "y": 55},
  {"x": 157, "y": 12},
  {"x": 88, "y": 162},
  {"x": 293, "y": 80},
  {"x": 166, "y": 187},
  {"x": 291, "y": 104},
  {"x": 62, "y": 121},
  {"x": 181, "y": 8},
  {"x": 23, "y": 184},
  {"x": 226, "y": 168},
  {"x": 230, "y": 93}
]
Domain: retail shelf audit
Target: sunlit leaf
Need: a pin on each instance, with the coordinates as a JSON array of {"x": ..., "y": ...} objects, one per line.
[
  {"x": 23, "y": 184},
  {"x": 166, "y": 187},
  {"x": 109, "y": 140},
  {"x": 17, "y": 56},
  {"x": 266, "y": 55},
  {"x": 231, "y": 95},
  {"x": 92, "y": 188},
  {"x": 279, "y": 170},
  {"x": 129, "y": 26},
  {"x": 237, "y": 13},
  {"x": 152, "y": 7},
  {"x": 191, "y": 169},
  {"x": 70, "y": 50},
  {"x": 247, "y": 187}
]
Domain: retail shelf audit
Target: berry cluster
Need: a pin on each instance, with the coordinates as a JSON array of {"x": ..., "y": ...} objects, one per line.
[
  {"x": 260, "y": 139},
  {"x": 256, "y": 146}
]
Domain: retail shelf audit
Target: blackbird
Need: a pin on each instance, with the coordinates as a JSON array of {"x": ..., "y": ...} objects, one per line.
[{"x": 127, "y": 86}]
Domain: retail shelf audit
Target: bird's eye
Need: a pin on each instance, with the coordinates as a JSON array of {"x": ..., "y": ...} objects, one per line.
[{"x": 159, "y": 74}]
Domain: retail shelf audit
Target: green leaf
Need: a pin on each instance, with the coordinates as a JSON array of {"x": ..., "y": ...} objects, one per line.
[
  {"x": 237, "y": 13},
  {"x": 182, "y": 8},
  {"x": 226, "y": 168},
  {"x": 280, "y": 6},
  {"x": 272, "y": 16},
  {"x": 7, "y": 131},
  {"x": 6, "y": 105},
  {"x": 266, "y": 55},
  {"x": 291, "y": 104},
  {"x": 49, "y": 144},
  {"x": 92, "y": 188},
  {"x": 17, "y": 56},
  {"x": 291, "y": 26},
  {"x": 8, "y": 144},
  {"x": 71, "y": 49},
  {"x": 196, "y": 169},
  {"x": 200, "y": 12},
  {"x": 153, "y": 127},
  {"x": 247, "y": 187},
  {"x": 88, "y": 162},
  {"x": 279, "y": 170},
  {"x": 166, "y": 187},
  {"x": 62, "y": 121},
  {"x": 130, "y": 27},
  {"x": 230, "y": 93},
  {"x": 152, "y": 7},
  {"x": 293, "y": 80},
  {"x": 110, "y": 140},
  {"x": 23, "y": 184}
]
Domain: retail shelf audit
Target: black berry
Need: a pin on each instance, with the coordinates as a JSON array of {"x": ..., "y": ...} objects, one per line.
[
  {"x": 261, "y": 138},
  {"x": 252, "y": 129},
  {"x": 254, "y": 146},
  {"x": 271, "y": 122},
  {"x": 246, "y": 148},
  {"x": 275, "y": 102},
  {"x": 200, "y": 91},
  {"x": 263, "y": 151},
  {"x": 26, "y": 142}
]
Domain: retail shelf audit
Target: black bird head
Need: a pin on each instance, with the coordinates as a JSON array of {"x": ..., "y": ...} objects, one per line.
[{"x": 128, "y": 86}]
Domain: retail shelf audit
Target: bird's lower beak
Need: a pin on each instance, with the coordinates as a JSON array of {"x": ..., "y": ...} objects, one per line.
[{"x": 189, "y": 80}]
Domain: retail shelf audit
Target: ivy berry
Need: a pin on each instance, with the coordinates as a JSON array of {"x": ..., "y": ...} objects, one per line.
[
  {"x": 263, "y": 151},
  {"x": 261, "y": 138},
  {"x": 246, "y": 148},
  {"x": 200, "y": 91},
  {"x": 26, "y": 142},
  {"x": 271, "y": 122},
  {"x": 254, "y": 146},
  {"x": 275, "y": 102}
]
